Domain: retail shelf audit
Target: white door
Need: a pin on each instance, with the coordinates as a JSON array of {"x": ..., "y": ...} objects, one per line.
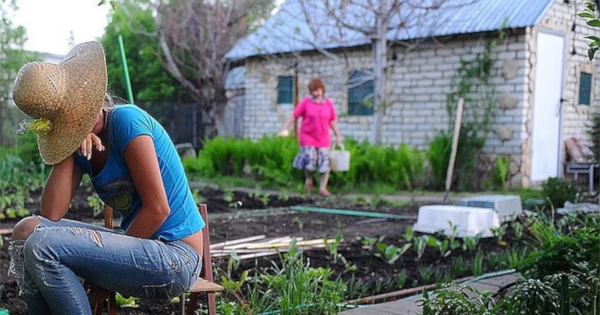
[{"x": 545, "y": 147}]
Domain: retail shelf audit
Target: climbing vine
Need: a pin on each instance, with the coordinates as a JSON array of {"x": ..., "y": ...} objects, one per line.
[{"x": 473, "y": 83}]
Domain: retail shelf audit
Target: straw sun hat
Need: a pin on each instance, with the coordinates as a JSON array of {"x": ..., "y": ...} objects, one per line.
[{"x": 64, "y": 99}]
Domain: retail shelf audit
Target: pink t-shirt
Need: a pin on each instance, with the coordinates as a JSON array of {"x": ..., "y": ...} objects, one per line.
[{"x": 316, "y": 120}]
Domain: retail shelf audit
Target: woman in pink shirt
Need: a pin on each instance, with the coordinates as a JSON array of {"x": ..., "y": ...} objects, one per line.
[{"x": 318, "y": 115}]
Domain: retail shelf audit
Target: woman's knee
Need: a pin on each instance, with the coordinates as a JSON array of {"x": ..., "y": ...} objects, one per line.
[{"x": 25, "y": 227}]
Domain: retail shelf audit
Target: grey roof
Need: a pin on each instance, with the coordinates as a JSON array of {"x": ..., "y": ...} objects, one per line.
[{"x": 288, "y": 31}]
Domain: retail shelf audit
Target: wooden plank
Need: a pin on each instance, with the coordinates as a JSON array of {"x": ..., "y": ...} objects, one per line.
[
  {"x": 202, "y": 285},
  {"x": 256, "y": 255},
  {"x": 301, "y": 243},
  {"x": 6, "y": 231},
  {"x": 238, "y": 241},
  {"x": 273, "y": 241}
]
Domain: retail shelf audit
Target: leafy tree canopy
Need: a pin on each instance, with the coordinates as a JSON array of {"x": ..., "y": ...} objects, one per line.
[{"x": 149, "y": 80}]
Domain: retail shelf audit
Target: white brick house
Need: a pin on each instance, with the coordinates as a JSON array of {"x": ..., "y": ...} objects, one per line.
[{"x": 546, "y": 87}]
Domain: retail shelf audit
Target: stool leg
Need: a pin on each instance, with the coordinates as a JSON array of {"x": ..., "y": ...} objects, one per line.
[
  {"x": 212, "y": 310},
  {"x": 112, "y": 304},
  {"x": 182, "y": 304},
  {"x": 193, "y": 303}
]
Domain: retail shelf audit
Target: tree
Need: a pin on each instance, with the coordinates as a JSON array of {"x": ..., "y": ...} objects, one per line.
[
  {"x": 12, "y": 57},
  {"x": 149, "y": 80},
  {"x": 194, "y": 37}
]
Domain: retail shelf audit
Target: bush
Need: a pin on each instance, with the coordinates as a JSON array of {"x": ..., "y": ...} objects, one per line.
[
  {"x": 438, "y": 156},
  {"x": 270, "y": 160},
  {"x": 559, "y": 191}
]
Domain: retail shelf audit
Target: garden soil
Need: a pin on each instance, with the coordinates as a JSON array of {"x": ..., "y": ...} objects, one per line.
[{"x": 229, "y": 222}]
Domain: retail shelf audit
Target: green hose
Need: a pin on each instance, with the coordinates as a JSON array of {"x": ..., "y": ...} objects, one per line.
[{"x": 354, "y": 213}]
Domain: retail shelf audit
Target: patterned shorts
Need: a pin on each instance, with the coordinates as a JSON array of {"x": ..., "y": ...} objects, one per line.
[{"x": 311, "y": 159}]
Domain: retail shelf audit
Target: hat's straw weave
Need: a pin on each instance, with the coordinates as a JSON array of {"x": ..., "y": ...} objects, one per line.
[{"x": 68, "y": 94}]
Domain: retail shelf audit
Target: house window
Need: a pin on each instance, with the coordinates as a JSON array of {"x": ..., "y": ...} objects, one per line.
[
  {"x": 360, "y": 94},
  {"x": 285, "y": 90},
  {"x": 585, "y": 88}
]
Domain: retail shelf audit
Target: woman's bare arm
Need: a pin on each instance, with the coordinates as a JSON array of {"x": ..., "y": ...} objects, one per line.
[
  {"x": 59, "y": 189},
  {"x": 140, "y": 156}
]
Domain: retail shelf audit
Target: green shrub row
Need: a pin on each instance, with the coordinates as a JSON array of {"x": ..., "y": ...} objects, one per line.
[{"x": 270, "y": 159}]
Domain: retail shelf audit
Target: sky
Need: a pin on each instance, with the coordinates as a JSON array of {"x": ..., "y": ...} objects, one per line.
[{"x": 49, "y": 23}]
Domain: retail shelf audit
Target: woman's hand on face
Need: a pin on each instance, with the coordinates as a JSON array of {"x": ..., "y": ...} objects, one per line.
[{"x": 87, "y": 144}]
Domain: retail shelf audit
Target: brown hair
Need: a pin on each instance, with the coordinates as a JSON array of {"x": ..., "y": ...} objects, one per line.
[{"x": 315, "y": 84}]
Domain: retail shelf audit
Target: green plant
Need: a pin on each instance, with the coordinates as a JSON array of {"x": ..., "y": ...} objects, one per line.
[
  {"x": 96, "y": 204},
  {"x": 459, "y": 266},
  {"x": 332, "y": 247},
  {"x": 454, "y": 299},
  {"x": 589, "y": 13},
  {"x": 470, "y": 242},
  {"x": 499, "y": 233},
  {"x": 495, "y": 261},
  {"x": 425, "y": 273},
  {"x": 500, "y": 173},
  {"x": 477, "y": 268},
  {"x": 454, "y": 243},
  {"x": 391, "y": 253},
  {"x": 299, "y": 222},
  {"x": 438, "y": 156},
  {"x": 442, "y": 246},
  {"x": 443, "y": 276},
  {"x": 514, "y": 257},
  {"x": 369, "y": 242},
  {"x": 401, "y": 279},
  {"x": 517, "y": 228},
  {"x": 408, "y": 234},
  {"x": 532, "y": 297},
  {"x": 356, "y": 288},
  {"x": 297, "y": 286},
  {"x": 126, "y": 302},
  {"x": 420, "y": 244},
  {"x": 559, "y": 191}
]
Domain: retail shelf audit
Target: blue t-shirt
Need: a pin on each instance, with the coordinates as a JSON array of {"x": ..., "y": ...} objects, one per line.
[{"x": 115, "y": 186}]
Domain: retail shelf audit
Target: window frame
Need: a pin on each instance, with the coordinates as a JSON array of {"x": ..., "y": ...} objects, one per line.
[
  {"x": 352, "y": 108},
  {"x": 588, "y": 70},
  {"x": 282, "y": 100}
]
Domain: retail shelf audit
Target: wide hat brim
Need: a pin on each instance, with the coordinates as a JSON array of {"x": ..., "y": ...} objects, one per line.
[{"x": 78, "y": 87}]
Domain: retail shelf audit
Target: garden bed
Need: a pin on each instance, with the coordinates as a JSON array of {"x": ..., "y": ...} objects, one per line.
[{"x": 363, "y": 272}]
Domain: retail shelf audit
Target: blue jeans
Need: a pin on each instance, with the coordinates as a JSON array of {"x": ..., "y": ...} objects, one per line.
[{"x": 50, "y": 264}]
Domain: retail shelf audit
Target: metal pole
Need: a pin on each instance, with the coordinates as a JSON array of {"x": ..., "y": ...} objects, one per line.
[
  {"x": 564, "y": 295},
  {"x": 125, "y": 71}
]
